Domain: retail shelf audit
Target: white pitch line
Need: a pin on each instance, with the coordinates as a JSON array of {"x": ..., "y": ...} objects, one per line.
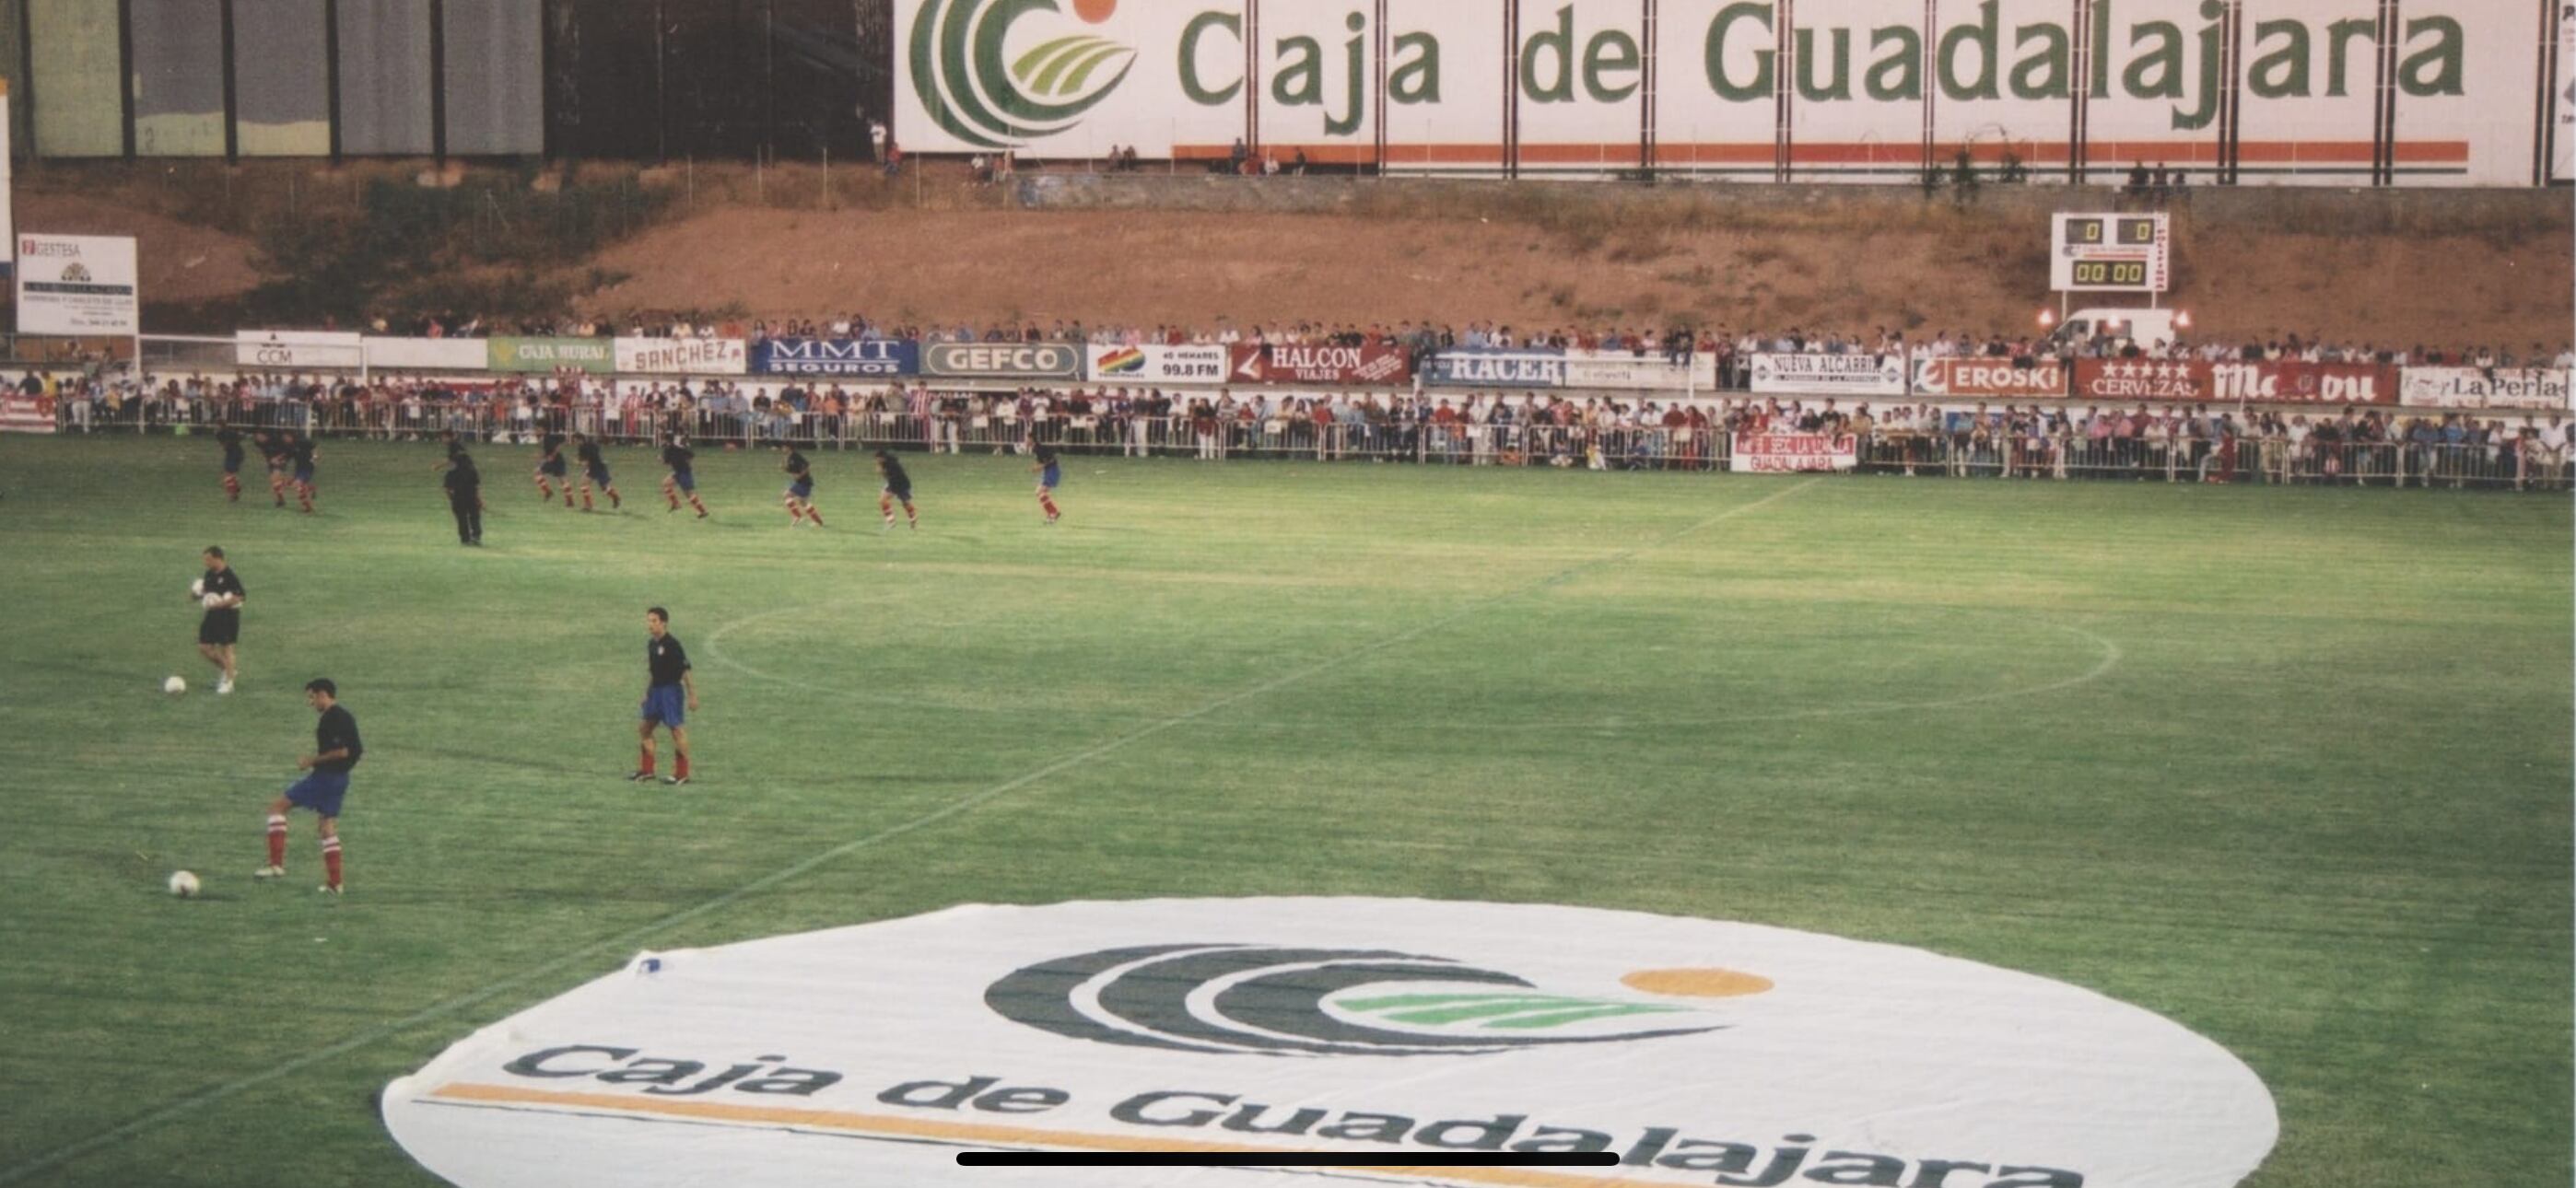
[{"x": 631, "y": 936}]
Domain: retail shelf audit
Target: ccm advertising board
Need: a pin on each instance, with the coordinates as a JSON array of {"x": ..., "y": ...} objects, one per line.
[
  {"x": 1861, "y": 90},
  {"x": 1692, "y": 1052},
  {"x": 78, "y": 284}
]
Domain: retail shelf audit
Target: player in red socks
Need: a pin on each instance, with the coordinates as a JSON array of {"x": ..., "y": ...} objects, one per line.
[
  {"x": 299, "y": 452},
  {"x": 272, "y": 446},
  {"x": 683, "y": 479},
  {"x": 800, "y": 489},
  {"x": 594, "y": 470},
  {"x": 231, "y": 439},
  {"x": 1050, "y": 476},
  {"x": 669, "y": 697},
  {"x": 898, "y": 489},
  {"x": 550, "y": 465},
  {"x": 336, "y": 749}
]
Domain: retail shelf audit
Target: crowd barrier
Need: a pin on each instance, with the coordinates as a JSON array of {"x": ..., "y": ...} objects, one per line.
[
  {"x": 1634, "y": 374},
  {"x": 2517, "y": 462}
]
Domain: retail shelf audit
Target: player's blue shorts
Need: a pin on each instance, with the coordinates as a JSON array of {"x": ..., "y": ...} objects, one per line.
[
  {"x": 320, "y": 791},
  {"x": 303, "y": 474},
  {"x": 1052, "y": 478},
  {"x": 801, "y": 488},
  {"x": 684, "y": 480},
  {"x": 553, "y": 466},
  {"x": 902, "y": 494},
  {"x": 232, "y": 465},
  {"x": 597, "y": 474},
  {"x": 667, "y": 705}
]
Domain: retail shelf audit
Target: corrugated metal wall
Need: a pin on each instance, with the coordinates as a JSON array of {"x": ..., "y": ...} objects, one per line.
[
  {"x": 281, "y": 78},
  {"x": 637, "y": 79},
  {"x": 80, "y": 108},
  {"x": 178, "y": 78},
  {"x": 384, "y": 77},
  {"x": 495, "y": 78}
]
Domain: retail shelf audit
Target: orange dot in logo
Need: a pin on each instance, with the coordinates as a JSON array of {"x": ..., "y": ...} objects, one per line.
[
  {"x": 1696, "y": 983},
  {"x": 1094, "y": 11}
]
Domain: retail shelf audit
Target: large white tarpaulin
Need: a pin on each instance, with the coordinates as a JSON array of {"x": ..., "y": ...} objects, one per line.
[{"x": 1376, "y": 1028}]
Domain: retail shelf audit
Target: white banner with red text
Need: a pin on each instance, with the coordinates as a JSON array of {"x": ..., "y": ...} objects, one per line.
[
  {"x": 26, "y": 414},
  {"x": 1780, "y": 453},
  {"x": 682, "y": 356}
]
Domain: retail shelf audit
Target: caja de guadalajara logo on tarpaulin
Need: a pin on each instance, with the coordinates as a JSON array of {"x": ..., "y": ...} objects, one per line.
[{"x": 1694, "y": 1052}]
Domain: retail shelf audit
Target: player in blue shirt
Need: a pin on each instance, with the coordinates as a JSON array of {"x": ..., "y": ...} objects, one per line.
[
  {"x": 1050, "y": 476},
  {"x": 336, "y": 749}
]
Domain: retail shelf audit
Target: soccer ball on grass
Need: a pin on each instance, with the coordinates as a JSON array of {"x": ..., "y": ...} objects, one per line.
[
  {"x": 174, "y": 686},
  {"x": 184, "y": 884}
]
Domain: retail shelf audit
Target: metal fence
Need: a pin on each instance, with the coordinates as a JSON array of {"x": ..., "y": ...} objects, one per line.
[{"x": 2520, "y": 462}]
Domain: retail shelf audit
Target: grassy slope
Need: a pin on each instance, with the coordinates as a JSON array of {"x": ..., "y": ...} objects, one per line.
[{"x": 2300, "y": 778}]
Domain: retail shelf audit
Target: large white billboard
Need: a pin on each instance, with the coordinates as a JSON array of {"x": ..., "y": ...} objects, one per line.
[
  {"x": 77, "y": 284},
  {"x": 2282, "y": 91}
]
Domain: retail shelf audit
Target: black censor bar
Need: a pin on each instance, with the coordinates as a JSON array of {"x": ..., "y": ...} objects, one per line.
[{"x": 1281, "y": 1159}]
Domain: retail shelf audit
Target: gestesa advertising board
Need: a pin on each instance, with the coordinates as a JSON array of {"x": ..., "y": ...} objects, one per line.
[{"x": 78, "y": 284}]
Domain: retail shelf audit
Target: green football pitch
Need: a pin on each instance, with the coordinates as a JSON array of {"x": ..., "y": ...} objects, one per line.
[{"x": 2288, "y": 766}]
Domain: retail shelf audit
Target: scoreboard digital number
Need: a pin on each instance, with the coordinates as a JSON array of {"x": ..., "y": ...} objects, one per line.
[{"x": 2109, "y": 253}]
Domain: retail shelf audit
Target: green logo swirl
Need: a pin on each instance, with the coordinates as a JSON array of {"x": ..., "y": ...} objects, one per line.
[{"x": 972, "y": 94}]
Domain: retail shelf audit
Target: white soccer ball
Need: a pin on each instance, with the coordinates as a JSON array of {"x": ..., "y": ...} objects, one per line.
[
  {"x": 197, "y": 588},
  {"x": 174, "y": 686},
  {"x": 184, "y": 883},
  {"x": 210, "y": 600}
]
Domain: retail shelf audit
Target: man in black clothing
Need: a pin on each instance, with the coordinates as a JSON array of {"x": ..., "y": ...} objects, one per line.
[
  {"x": 465, "y": 497},
  {"x": 220, "y": 592}
]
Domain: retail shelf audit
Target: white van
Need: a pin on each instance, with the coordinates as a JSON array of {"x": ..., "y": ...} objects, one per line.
[{"x": 2150, "y": 329}]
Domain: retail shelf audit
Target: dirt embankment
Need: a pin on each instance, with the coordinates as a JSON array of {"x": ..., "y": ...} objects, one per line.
[
  {"x": 1930, "y": 270},
  {"x": 798, "y": 242}
]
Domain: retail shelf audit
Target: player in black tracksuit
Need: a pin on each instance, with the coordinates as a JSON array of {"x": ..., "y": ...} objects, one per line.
[{"x": 465, "y": 496}]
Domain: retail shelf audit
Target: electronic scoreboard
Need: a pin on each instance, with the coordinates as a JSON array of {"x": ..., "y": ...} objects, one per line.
[{"x": 2109, "y": 253}]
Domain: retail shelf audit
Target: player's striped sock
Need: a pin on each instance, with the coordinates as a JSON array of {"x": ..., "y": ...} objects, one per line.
[
  {"x": 585, "y": 499},
  {"x": 232, "y": 487},
  {"x": 817, "y": 514},
  {"x": 331, "y": 860},
  {"x": 694, "y": 502},
  {"x": 613, "y": 501},
  {"x": 545, "y": 490},
  {"x": 680, "y": 770},
  {"x": 1049, "y": 505},
  {"x": 647, "y": 766},
  {"x": 276, "y": 839}
]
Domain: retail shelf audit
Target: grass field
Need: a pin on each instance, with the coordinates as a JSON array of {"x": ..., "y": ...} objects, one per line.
[{"x": 2290, "y": 767}]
